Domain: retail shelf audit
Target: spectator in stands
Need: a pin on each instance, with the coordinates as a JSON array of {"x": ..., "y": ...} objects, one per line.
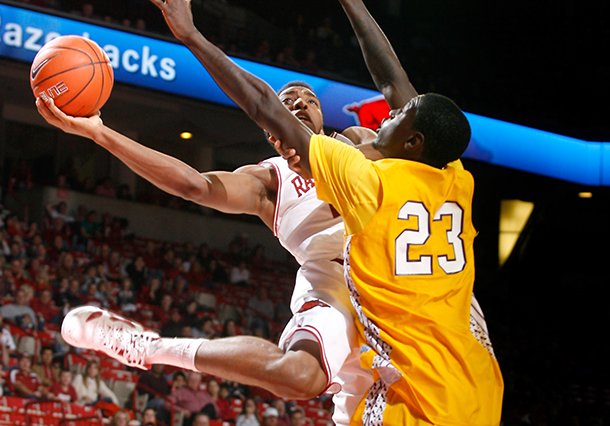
[
  {"x": 151, "y": 418},
  {"x": 178, "y": 380},
  {"x": 45, "y": 306},
  {"x": 19, "y": 311},
  {"x": 68, "y": 293},
  {"x": 7, "y": 343},
  {"x": 219, "y": 406},
  {"x": 218, "y": 274},
  {"x": 234, "y": 390},
  {"x": 67, "y": 266},
  {"x": 261, "y": 311},
  {"x": 23, "y": 381},
  {"x": 173, "y": 326},
  {"x": 18, "y": 261},
  {"x": 204, "y": 254},
  {"x": 191, "y": 398},
  {"x": 113, "y": 268},
  {"x": 229, "y": 328},
  {"x": 240, "y": 274},
  {"x": 94, "y": 297},
  {"x": 297, "y": 416},
  {"x": 59, "y": 241},
  {"x": 166, "y": 306},
  {"x": 168, "y": 262},
  {"x": 152, "y": 292},
  {"x": 14, "y": 227},
  {"x": 126, "y": 297},
  {"x": 46, "y": 370},
  {"x": 248, "y": 416},
  {"x": 42, "y": 277},
  {"x": 60, "y": 211},
  {"x": 206, "y": 329},
  {"x": 120, "y": 418},
  {"x": 226, "y": 408},
  {"x": 151, "y": 255},
  {"x": 89, "y": 229},
  {"x": 102, "y": 255},
  {"x": 180, "y": 290},
  {"x": 283, "y": 419},
  {"x": 197, "y": 274},
  {"x": 154, "y": 383},
  {"x": 90, "y": 387},
  {"x": 270, "y": 417},
  {"x": 63, "y": 390},
  {"x": 201, "y": 420},
  {"x": 91, "y": 275},
  {"x": 138, "y": 272}
]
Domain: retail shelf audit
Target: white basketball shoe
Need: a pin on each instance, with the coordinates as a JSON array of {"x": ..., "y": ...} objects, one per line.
[{"x": 89, "y": 327}]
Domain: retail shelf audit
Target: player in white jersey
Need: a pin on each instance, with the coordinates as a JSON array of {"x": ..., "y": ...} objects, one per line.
[{"x": 317, "y": 352}]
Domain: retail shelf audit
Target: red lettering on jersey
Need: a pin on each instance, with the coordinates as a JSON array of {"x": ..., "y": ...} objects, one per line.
[{"x": 301, "y": 186}]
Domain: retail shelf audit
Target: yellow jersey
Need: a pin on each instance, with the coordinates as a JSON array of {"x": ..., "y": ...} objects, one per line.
[{"x": 410, "y": 271}]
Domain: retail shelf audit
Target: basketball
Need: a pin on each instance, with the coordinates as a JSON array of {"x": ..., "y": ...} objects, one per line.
[{"x": 75, "y": 72}]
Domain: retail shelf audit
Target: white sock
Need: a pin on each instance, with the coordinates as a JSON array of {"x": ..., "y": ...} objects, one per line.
[{"x": 178, "y": 352}]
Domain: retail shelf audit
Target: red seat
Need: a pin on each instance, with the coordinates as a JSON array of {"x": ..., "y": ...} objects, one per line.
[{"x": 13, "y": 404}]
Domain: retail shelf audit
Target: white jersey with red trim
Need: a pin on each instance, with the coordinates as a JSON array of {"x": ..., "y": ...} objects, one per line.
[{"x": 310, "y": 230}]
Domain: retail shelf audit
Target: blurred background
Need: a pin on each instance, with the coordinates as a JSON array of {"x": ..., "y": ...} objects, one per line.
[{"x": 541, "y": 254}]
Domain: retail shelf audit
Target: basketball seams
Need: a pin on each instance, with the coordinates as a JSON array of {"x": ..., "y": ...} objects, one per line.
[
  {"x": 95, "y": 52},
  {"x": 64, "y": 71},
  {"x": 90, "y": 63}
]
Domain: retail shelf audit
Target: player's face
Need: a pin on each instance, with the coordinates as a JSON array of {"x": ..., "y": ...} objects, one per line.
[
  {"x": 397, "y": 129},
  {"x": 305, "y": 105}
]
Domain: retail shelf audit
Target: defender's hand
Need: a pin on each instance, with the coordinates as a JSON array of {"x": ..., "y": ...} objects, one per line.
[
  {"x": 179, "y": 17},
  {"x": 288, "y": 154}
]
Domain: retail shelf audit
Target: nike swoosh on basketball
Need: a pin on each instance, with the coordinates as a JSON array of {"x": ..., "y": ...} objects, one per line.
[{"x": 40, "y": 65}]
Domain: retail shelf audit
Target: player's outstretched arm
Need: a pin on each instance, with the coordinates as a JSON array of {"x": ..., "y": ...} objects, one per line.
[
  {"x": 225, "y": 191},
  {"x": 384, "y": 66},
  {"x": 254, "y": 96}
]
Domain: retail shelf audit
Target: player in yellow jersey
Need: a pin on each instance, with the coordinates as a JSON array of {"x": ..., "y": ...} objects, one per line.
[{"x": 409, "y": 252}]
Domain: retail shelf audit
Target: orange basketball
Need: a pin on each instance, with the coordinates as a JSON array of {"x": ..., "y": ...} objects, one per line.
[{"x": 75, "y": 72}]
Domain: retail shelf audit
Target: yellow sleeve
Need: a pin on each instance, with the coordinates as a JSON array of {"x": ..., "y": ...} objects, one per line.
[{"x": 345, "y": 179}]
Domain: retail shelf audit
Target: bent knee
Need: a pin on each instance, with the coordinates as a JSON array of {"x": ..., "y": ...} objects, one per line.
[{"x": 302, "y": 375}]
